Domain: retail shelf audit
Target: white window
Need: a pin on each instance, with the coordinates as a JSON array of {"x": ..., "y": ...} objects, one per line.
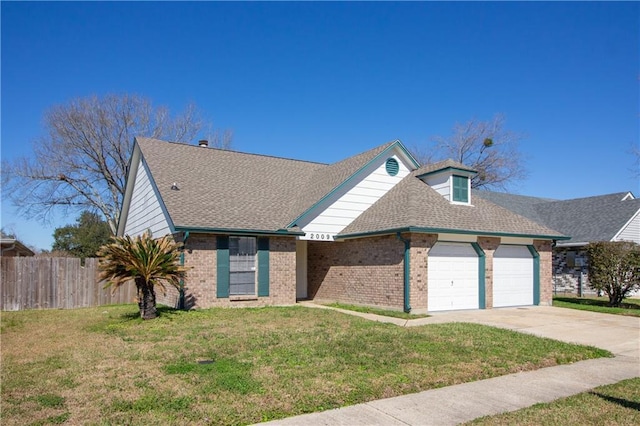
[{"x": 242, "y": 266}]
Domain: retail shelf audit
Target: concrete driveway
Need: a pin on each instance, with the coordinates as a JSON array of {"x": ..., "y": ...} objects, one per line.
[{"x": 616, "y": 333}]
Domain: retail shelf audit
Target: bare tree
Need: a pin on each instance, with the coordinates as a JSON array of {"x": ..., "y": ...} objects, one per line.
[
  {"x": 635, "y": 155},
  {"x": 485, "y": 146},
  {"x": 81, "y": 161}
]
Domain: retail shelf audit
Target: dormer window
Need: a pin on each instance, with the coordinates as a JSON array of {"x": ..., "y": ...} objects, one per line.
[
  {"x": 450, "y": 179},
  {"x": 460, "y": 190}
]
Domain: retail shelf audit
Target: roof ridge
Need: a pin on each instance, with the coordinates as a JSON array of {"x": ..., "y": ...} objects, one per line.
[
  {"x": 602, "y": 196},
  {"x": 443, "y": 165},
  {"x": 232, "y": 151},
  {"x": 509, "y": 194}
]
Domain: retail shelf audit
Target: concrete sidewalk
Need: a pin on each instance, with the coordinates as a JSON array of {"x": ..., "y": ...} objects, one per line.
[{"x": 461, "y": 403}]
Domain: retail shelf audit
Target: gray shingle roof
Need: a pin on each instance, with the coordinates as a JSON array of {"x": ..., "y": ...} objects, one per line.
[
  {"x": 413, "y": 203},
  {"x": 520, "y": 204},
  {"x": 597, "y": 218},
  {"x": 221, "y": 189}
]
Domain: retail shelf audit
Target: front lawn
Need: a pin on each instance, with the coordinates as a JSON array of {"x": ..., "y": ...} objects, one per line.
[
  {"x": 617, "y": 404},
  {"x": 629, "y": 307},
  {"x": 237, "y": 366}
]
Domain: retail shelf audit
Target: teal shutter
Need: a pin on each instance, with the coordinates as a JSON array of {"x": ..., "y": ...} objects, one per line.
[
  {"x": 536, "y": 274},
  {"x": 461, "y": 189},
  {"x": 482, "y": 274},
  {"x": 263, "y": 267},
  {"x": 222, "y": 287}
]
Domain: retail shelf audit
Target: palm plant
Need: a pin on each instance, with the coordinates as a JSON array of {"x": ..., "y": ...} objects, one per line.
[{"x": 148, "y": 262}]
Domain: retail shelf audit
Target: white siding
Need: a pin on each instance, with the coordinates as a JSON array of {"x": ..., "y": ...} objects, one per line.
[
  {"x": 347, "y": 207},
  {"x": 441, "y": 183},
  {"x": 145, "y": 211},
  {"x": 631, "y": 231}
]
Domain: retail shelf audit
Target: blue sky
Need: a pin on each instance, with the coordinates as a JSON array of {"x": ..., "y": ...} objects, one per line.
[{"x": 323, "y": 81}]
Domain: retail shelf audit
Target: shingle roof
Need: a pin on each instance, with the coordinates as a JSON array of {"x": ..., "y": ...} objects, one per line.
[
  {"x": 520, "y": 204},
  {"x": 597, "y": 218},
  {"x": 413, "y": 203},
  {"x": 442, "y": 165},
  {"x": 221, "y": 189}
]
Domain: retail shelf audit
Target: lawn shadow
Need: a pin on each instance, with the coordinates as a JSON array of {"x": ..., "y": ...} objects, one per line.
[
  {"x": 595, "y": 302},
  {"x": 163, "y": 311},
  {"x": 619, "y": 401}
]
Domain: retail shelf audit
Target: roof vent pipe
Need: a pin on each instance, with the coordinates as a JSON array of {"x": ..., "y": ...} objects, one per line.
[{"x": 203, "y": 143}]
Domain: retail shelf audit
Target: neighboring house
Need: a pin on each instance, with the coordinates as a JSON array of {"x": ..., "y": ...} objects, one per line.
[
  {"x": 611, "y": 217},
  {"x": 373, "y": 229},
  {"x": 14, "y": 248}
]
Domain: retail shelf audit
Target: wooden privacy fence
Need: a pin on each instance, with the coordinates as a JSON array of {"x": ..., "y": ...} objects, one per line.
[{"x": 56, "y": 282}]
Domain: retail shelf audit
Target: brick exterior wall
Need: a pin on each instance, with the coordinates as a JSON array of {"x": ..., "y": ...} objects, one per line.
[
  {"x": 200, "y": 256},
  {"x": 420, "y": 245},
  {"x": 282, "y": 271},
  {"x": 370, "y": 271},
  {"x": 366, "y": 271}
]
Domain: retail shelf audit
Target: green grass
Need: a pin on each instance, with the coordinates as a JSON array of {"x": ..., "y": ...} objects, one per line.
[
  {"x": 238, "y": 366},
  {"x": 630, "y": 307},
  {"x": 383, "y": 312},
  {"x": 617, "y": 404}
]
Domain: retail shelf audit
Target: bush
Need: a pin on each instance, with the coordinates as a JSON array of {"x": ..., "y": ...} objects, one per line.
[{"x": 614, "y": 269}]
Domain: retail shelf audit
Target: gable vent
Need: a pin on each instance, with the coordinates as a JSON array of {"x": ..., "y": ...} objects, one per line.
[{"x": 392, "y": 166}]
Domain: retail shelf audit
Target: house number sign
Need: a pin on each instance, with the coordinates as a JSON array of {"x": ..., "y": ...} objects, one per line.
[{"x": 318, "y": 236}]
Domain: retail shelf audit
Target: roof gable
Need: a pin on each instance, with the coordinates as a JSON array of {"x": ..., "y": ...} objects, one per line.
[{"x": 326, "y": 185}]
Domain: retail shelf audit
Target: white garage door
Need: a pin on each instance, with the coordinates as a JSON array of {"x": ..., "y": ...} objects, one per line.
[
  {"x": 452, "y": 277},
  {"x": 512, "y": 276}
]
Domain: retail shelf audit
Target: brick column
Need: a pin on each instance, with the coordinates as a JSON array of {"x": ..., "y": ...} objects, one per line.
[
  {"x": 489, "y": 246},
  {"x": 545, "y": 250}
]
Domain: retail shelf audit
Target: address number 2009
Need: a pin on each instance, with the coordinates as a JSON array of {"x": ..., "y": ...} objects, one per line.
[{"x": 313, "y": 236}]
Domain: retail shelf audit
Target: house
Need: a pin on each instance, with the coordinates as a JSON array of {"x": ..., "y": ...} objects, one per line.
[
  {"x": 12, "y": 247},
  {"x": 375, "y": 229},
  {"x": 611, "y": 217}
]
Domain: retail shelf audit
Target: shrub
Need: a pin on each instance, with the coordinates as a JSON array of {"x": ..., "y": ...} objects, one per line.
[{"x": 614, "y": 269}]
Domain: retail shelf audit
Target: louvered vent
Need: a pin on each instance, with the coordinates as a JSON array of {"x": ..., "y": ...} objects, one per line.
[{"x": 392, "y": 166}]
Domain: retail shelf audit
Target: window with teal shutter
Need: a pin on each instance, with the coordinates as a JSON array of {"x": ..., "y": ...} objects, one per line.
[
  {"x": 243, "y": 262},
  {"x": 461, "y": 189}
]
